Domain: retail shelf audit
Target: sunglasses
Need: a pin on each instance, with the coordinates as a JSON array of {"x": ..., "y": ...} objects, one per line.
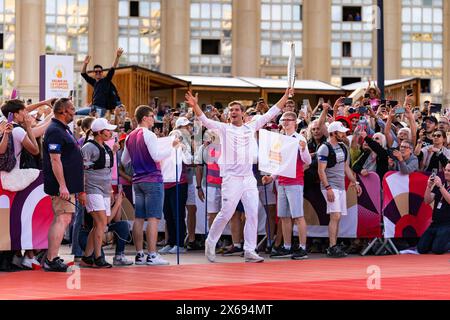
[
  {"x": 437, "y": 135},
  {"x": 404, "y": 147},
  {"x": 98, "y": 72}
]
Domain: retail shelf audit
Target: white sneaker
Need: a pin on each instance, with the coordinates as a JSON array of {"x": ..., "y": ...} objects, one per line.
[
  {"x": 29, "y": 262},
  {"x": 174, "y": 250},
  {"x": 210, "y": 251},
  {"x": 122, "y": 261},
  {"x": 156, "y": 260},
  {"x": 252, "y": 256},
  {"x": 166, "y": 249}
]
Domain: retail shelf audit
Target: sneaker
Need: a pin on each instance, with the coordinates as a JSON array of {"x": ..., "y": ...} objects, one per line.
[
  {"x": 281, "y": 252},
  {"x": 194, "y": 245},
  {"x": 139, "y": 259},
  {"x": 156, "y": 260},
  {"x": 174, "y": 250},
  {"x": 30, "y": 263},
  {"x": 121, "y": 260},
  {"x": 210, "y": 251},
  {"x": 233, "y": 251},
  {"x": 299, "y": 254},
  {"x": 87, "y": 261},
  {"x": 252, "y": 256},
  {"x": 100, "y": 262},
  {"x": 336, "y": 252},
  {"x": 56, "y": 265},
  {"x": 161, "y": 243},
  {"x": 165, "y": 250}
]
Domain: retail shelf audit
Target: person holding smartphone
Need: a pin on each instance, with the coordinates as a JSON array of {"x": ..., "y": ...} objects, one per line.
[
  {"x": 437, "y": 155},
  {"x": 437, "y": 237}
]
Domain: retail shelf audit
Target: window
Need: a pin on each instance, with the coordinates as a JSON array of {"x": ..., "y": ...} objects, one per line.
[
  {"x": 211, "y": 37},
  {"x": 425, "y": 85},
  {"x": 66, "y": 23},
  {"x": 281, "y": 24},
  {"x": 346, "y": 49},
  {"x": 348, "y": 80},
  {"x": 422, "y": 44},
  {"x": 210, "y": 46},
  {"x": 140, "y": 33},
  {"x": 351, "y": 42},
  {"x": 1, "y": 41},
  {"x": 351, "y": 14},
  {"x": 134, "y": 8}
]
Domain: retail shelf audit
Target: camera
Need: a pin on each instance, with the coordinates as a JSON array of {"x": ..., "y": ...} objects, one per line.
[{"x": 363, "y": 110}]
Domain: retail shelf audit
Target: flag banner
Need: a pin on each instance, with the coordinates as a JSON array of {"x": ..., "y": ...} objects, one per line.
[
  {"x": 168, "y": 165},
  {"x": 363, "y": 219},
  {"x": 277, "y": 154},
  {"x": 405, "y": 214},
  {"x": 25, "y": 217}
]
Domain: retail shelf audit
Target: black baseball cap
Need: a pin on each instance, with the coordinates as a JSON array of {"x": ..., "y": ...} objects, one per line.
[{"x": 431, "y": 118}]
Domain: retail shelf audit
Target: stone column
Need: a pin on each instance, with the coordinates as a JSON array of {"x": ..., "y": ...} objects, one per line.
[
  {"x": 103, "y": 32},
  {"x": 30, "y": 44},
  {"x": 392, "y": 39},
  {"x": 175, "y": 36},
  {"x": 246, "y": 38}
]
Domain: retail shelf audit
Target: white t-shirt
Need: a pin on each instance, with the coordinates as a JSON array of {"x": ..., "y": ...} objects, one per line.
[{"x": 18, "y": 134}]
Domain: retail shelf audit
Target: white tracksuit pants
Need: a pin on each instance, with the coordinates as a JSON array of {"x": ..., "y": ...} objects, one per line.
[{"x": 235, "y": 188}]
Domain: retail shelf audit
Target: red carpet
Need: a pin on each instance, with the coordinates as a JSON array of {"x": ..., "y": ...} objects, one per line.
[{"x": 402, "y": 277}]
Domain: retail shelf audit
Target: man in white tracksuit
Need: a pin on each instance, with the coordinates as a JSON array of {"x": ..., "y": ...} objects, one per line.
[{"x": 238, "y": 149}]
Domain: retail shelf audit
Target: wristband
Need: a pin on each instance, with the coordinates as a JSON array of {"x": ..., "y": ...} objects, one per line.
[{"x": 198, "y": 187}]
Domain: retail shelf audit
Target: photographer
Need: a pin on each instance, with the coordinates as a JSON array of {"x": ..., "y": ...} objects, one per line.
[{"x": 437, "y": 237}]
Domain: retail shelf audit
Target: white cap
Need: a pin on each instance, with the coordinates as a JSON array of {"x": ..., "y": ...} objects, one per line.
[
  {"x": 182, "y": 121},
  {"x": 100, "y": 124},
  {"x": 337, "y": 126}
]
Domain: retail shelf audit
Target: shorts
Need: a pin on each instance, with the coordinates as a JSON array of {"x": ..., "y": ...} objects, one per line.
[
  {"x": 339, "y": 204},
  {"x": 214, "y": 200},
  {"x": 98, "y": 202},
  {"x": 149, "y": 199},
  {"x": 290, "y": 201},
  {"x": 271, "y": 198},
  {"x": 61, "y": 206},
  {"x": 191, "y": 195}
]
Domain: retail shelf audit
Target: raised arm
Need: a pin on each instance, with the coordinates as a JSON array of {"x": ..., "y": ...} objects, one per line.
[
  {"x": 192, "y": 101},
  {"x": 119, "y": 53},
  {"x": 387, "y": 128},
  {"x": 277, "y": 107}
]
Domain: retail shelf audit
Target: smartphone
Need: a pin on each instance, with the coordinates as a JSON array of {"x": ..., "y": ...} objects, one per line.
[
  {"x": 393, "y": 103},
  {"x": 306, "y": 102},
  {"x": 10, "y": 117},
  {"x": 423, "y": 126},
  {"x": 71, "y": 93},
  {"x": 390, "y": 152},
  {"x": 321, "y": 100},
  {"x": 348, "y": 101},
  {"x": 399, "y": 110},
  {"x": 433, "y": 174},
  {"x": 435, "y": 108},
  {"x": 362, "y": 110},
  {"x": 127, "y": 126},
  {"x": 409, "y": 92},
  {"x": 183, "y": 106},
  {"x": 208, "y": 108},
  {"x": 366, "y": 96}
]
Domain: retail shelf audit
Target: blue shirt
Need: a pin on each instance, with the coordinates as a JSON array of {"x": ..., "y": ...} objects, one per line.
[{"x": 59, "y": 139}]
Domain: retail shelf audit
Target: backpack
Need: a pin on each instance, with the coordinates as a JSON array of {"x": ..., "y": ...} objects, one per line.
[
  {"x": 8, "y": 159},
  {"x": 312, "y": 173},
  {"x": 27, "y": 160}
]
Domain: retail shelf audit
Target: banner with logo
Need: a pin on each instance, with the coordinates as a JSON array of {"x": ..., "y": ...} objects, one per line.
[
  {"x": 405, "y": 214},
  {"x": 277, "y": 154},
  {"x": 25, "y": 217},
  {"x": 363, "y": 219},
  {"x": 55, "y": 76}
]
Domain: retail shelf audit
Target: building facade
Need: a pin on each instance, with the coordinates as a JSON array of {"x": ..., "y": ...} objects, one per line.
[{"x": 335, "y": 39}]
